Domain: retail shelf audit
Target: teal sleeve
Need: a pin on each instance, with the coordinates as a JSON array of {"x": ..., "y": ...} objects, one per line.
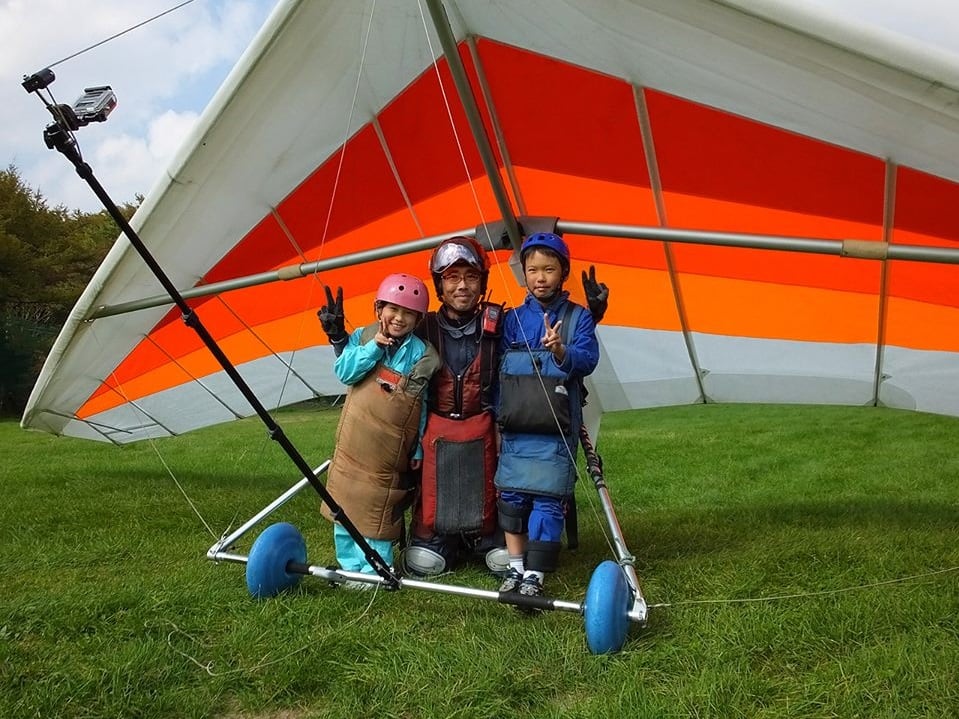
[{"x": 356, "y": 360}]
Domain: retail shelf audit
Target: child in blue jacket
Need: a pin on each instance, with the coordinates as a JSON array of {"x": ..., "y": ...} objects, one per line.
[{"x": 549, "y": 344}]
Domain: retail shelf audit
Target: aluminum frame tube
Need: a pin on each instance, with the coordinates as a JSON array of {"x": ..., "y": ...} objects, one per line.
[
  {"x": 842, "y": 248},
  {"x": 215, "y": 552},
  {"x": 291, "y": 272},
  {"x": 626, "y": 560},
  {"x": 339, "y": 576},
  {"x": 445, "y": 33}
]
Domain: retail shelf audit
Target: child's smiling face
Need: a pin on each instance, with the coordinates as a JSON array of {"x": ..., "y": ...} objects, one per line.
[
  {"x": 544, "y": 274},
  {"x": 398, "y": 321}
]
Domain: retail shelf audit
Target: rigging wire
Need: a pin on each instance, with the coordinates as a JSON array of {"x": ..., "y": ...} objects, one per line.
[
  {"x": 804, "y": 595},
  {"x": 54, "y": 106},
  {"x": 346, "y": 132},
  {"x": 333, "y": 195},
  {"x": 179, "y": 486},
  {"x": 323, "y": 236},
  {"x": 504, "y": 277},
  {"x": 118, "y": 387},
  {"x": 459, "y": 146},
  {"x": 122, "y": 32}
]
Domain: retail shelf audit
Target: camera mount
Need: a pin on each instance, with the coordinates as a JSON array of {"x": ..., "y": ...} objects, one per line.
[{"x": 94, "y": 105}]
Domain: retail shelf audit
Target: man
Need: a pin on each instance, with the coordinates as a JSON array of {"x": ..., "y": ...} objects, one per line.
[{"x": 455, "y": 513}]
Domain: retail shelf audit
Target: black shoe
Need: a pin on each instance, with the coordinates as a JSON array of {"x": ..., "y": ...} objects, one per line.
[
  {"x": 531, "y": 586},
  {"x": 513, "y": 581}
]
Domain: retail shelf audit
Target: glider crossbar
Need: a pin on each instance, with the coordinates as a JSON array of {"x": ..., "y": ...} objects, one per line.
[
  {"x": 338, "y": 576},
  {"x": 842, "y": 248},
  {"x": 290, "y": 272}
]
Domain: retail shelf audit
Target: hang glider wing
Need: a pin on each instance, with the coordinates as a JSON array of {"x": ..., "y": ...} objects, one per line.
[{"x": 339, "y": 139}]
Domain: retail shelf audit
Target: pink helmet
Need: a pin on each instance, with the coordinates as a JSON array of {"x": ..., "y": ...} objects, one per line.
[{"x": 404, "y": 291}]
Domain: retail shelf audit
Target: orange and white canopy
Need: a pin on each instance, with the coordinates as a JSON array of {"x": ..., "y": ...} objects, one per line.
[{"x": 741, "y": 130}]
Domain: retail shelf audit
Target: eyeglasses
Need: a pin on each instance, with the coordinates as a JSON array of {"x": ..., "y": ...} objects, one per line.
[{"x": 454, "y": 278}]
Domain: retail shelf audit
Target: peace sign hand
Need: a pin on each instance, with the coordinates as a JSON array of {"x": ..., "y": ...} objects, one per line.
[
  {"x": 331, "y": 315},
  {"x": 552, "y": 340},
  {"x": 382, "y": 337}
]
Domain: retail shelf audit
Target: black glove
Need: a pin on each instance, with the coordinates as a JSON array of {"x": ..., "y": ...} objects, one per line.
[
  {"x": 597, "y": 294},
  {"x": 333, "y": 320}
]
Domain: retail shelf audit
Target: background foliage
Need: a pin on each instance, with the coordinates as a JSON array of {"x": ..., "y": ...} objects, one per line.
[{"x": 47, "y": 256}]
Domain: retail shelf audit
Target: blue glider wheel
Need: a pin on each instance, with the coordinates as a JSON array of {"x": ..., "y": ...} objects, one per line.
[
  {"x": 277, "y": 545},
  {"x": 606, "y": 609}
]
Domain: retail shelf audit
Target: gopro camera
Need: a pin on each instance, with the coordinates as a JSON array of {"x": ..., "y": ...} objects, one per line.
[
  {"x": 92, "y": 106},
  {"x": 95, "y": 104}
]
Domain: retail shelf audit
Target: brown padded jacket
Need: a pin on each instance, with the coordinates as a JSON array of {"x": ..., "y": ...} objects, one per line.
[{"x": 377, "y": 432}]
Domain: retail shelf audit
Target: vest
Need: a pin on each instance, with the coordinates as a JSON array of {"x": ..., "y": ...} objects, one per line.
[
  {"x": 379, "y": 423},
  {"x": 470, "y": 393}
]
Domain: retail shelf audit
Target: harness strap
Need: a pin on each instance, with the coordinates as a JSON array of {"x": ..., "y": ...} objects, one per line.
[{"x": 572, "y": 516}]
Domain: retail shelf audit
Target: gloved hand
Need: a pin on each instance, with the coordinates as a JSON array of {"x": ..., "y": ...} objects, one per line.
[
  {"x": 597, "y": 294},
  {"x": 333, "y": 320}
]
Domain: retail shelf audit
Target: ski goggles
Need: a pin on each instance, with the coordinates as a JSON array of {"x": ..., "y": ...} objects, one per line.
[{"x": 449, "y": 254}]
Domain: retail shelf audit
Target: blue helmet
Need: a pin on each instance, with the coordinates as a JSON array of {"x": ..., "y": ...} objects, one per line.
[{"x": 549, "y": 241}]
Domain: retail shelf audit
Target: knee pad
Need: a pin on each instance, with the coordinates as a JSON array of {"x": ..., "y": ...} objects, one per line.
[
  {"x": 497, "y": 561},
  {"x": 542, "y": 556},
  {"x": 422, "y": 561},
  {"x": 512, "y": 518},
  {"x": 430, "y": 556}
]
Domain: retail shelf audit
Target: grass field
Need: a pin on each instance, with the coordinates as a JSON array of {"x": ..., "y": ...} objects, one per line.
[{"x": 799, "y": 562}]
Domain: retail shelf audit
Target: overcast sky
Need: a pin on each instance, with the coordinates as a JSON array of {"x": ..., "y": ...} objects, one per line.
[{"x": 165, "y": 72}]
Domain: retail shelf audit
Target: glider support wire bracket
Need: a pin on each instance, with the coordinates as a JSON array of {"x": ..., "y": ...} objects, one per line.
[{"x": 59, "y": 136}]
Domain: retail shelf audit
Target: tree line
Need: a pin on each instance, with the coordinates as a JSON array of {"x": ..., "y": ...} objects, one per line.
[{"x": 47, "y": 256}]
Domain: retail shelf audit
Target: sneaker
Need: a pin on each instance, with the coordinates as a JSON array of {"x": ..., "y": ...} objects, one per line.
[
  {"x": 531, "y": 587},
  {"x": 512, "y": 582}
]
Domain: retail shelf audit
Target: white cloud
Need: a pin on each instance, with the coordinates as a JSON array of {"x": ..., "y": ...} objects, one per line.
[
  {"x": 163, "y": 73},
  {"x": 134, "y": 161}
]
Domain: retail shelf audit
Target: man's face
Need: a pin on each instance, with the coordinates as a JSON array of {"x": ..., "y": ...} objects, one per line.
[{"x": 461, "y": 288}]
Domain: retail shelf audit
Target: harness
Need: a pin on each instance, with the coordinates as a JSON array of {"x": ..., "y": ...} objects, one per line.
[
  {"x": 470, "y": 392},
  {"x": 536, "y": 397},
  {"x": 457, "y": 495}
]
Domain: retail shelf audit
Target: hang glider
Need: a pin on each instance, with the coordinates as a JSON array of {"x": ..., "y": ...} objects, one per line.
[{"x": 768, "y": 193}]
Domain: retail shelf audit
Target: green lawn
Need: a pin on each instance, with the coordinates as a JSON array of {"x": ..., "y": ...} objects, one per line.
[{"x": 799, "y": 562}]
